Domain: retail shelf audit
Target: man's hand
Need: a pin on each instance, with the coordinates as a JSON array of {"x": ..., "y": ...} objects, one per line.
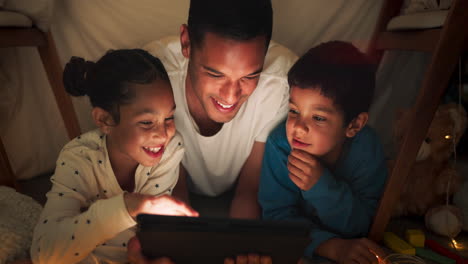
[
  {"x": 135, "y": 256},
  {"x": 161, "y": 205},
  {"x": 249, "y": 259},
  {"x": 304, "y": 169},
  {"x": 351, "y": 251}
]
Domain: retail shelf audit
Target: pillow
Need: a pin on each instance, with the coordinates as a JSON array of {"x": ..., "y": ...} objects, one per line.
[
  {"x": 422, "y": 20},
  {"x": 416, "y": 6},
  {"x": 39, "y": 11},
  {"x": 14, "y": 19},
  {"x": 18, "y": 218}
]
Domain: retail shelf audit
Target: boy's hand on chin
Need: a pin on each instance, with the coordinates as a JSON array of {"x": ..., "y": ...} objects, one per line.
[{"x": 304, "y": 169}]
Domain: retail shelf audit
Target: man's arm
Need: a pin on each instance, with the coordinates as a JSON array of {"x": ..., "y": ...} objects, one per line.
[
  {"x": 181, "y": 190},
  {"x": 245, "y": 203}
]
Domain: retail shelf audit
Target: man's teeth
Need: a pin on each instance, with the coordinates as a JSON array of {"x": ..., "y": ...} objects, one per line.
[
  {"x": 155, "y": 150},
  {"x": 224, "y": 106}
]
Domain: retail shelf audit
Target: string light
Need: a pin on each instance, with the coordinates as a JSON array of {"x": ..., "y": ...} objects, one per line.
[
  {"x": 397, "y": 258},
  {"x": 457, "y": 245}
]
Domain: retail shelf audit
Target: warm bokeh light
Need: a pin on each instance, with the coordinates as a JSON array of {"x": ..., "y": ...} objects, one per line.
[
  {"x": 448, "y": 136},
  {"x": 457, "y": 245}
]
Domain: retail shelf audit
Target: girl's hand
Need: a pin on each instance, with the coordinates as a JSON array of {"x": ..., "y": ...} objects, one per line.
[
  {"x": 161, "y": 205},
  {"x": 249, "y": 259},
  {"x": 304, "y": 169}
]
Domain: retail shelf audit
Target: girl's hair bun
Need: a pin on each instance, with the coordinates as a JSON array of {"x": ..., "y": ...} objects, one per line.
[{"x": 74, "y": 76}]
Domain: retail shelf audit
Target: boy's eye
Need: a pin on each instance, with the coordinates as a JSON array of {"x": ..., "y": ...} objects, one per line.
[
  {"x": 319, "y": 118},
  {"x": 169, "y": 118},
  {"x": 146, "y": 123}
]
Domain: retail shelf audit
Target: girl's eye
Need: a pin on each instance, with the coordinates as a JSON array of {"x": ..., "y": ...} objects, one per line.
[
  {"x": 294, "y": 112},
  {"x": 319, "y": 118},
  {"x": 169, "y": 118},
  {"x": 146, "y": 123}
]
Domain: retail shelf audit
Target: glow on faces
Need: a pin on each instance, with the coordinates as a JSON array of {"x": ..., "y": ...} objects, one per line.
[
  {"x": 223, "y": 73},
  {"x": 314, "y": 124},
  {"x": 146, "y": 125}
]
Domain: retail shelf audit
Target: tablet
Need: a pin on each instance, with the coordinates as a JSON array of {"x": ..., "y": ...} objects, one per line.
[{"x": 210, "y": 240}]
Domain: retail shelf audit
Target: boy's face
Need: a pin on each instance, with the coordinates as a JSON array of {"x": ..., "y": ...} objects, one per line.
[
  {"x": 222, "y": 74},
  {"x": 314, "y": 124},
  {"x": 146, "y": 125}
]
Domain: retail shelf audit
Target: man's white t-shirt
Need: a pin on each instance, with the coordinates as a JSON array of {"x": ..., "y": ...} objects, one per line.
[{"x": 214, "y": 162}]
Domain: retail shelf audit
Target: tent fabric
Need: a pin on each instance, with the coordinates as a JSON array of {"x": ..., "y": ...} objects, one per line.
[{"x": 30, "y": 124}]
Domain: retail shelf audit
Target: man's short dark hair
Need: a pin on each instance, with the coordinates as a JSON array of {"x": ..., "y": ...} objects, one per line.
[
  {"x": 233, "y": 19},
  {"x": 341, "y": 72}
]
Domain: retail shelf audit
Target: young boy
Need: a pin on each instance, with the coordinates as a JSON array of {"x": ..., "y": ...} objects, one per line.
[{"x": 323, "y": 165}]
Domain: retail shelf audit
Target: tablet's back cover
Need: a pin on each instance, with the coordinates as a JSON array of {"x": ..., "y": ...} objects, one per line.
[{"x": 210, "y": 240}]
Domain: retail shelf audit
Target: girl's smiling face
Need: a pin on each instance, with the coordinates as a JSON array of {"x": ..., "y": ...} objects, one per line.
[
  {"x": 146, "y": 126},
  {"x": 314, "y": 124}
]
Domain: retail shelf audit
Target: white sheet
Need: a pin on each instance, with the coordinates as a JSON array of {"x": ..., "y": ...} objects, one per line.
[{"x": 30, "y": 124}]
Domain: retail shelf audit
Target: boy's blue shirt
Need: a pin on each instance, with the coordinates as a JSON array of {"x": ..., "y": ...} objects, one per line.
[{"x": 343, "y": 201}]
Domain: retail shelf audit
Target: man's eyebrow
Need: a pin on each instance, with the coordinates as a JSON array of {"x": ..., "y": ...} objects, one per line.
[
  {"x": 220, "y": 73},
  {"x": 256, "y": 72},
  {"x": 211, "y": 69}
]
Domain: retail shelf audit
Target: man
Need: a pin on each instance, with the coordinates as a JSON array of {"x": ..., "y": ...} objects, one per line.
[{"x": 230, "y": 89}]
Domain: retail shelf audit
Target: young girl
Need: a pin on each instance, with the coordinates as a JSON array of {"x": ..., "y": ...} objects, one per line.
[{"x": 130, "y": 165}]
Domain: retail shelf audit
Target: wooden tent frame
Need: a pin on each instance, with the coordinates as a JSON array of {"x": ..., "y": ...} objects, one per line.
[
  {"x": 446, "y": 45},
  {"x": 18, "y": 37}
]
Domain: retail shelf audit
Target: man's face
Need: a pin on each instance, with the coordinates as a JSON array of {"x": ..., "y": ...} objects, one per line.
[{"x": 222, "y": 74}]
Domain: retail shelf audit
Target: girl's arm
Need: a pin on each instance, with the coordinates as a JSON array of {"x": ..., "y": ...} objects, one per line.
[{"x": 75, "y": 219}]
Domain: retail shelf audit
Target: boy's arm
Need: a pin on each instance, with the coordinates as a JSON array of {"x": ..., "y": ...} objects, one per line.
[
  {"x": 359, "y": 250},
  {"x": 347, "y": 205},
  {"x": 280, "y": 198},
  {"x": 245, "y": 204}
]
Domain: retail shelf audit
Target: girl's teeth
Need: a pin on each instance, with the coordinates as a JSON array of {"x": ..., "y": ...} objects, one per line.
[{"x": 155, "y": 150}]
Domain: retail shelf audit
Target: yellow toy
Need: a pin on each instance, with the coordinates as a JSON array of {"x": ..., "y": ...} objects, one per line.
[
  {"x": 415, "y": 237},
  {"x": 397, "y": 244}
]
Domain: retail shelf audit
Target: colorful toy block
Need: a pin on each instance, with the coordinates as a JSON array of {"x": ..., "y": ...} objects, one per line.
[{"x": 397, "y": 244}]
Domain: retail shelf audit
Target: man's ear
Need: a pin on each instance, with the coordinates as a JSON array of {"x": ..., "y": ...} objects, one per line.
[
  {"x": 102, "y": 119},
  {"x": 357, "y": 124},
  {"x": 185, "y": 40}
]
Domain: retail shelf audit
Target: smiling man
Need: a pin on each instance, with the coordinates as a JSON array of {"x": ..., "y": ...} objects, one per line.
[{"x": 230, "y": 89}]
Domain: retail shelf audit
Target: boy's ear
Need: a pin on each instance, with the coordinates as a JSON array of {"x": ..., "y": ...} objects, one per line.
[
  {"x": 102, "y": 119},
  {"x": 185, "y": 40},
  {"x": 357, "y": 124}
]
